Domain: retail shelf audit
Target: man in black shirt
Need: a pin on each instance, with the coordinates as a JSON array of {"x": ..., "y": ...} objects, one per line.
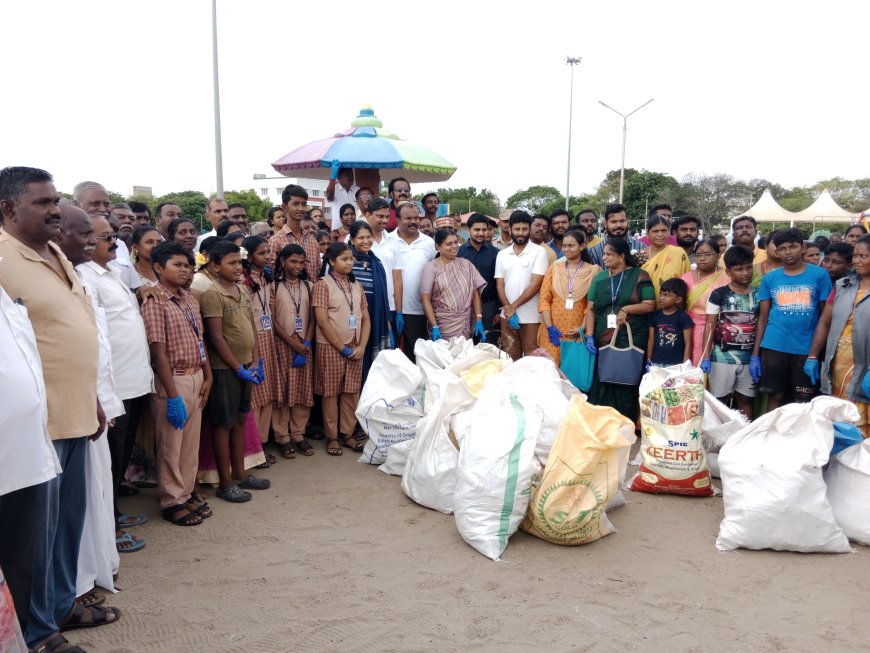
[{"x": 482, "y": 256}]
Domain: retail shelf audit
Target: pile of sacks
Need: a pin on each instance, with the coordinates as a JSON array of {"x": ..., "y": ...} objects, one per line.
[{"x": 501, "y": 445}]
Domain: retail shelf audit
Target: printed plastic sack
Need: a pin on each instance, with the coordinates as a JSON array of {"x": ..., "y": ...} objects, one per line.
[
  {"x": 497, "y": 455},
  {"x": 430, "y": 472},
  {"x": 584, "y": 474},
  {"x": 848, "y": 481},
  {"x": 719, "y": 423},
  {"x": 397, "y": 457},
  {"x": 772, "y": 485},
  {"x": 389, "y": 406},
  {"x": 673, "y": 458}
]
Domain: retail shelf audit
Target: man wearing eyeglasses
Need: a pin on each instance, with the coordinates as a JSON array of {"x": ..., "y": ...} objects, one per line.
[
  {"x": 340, "y": 191},
  {"x": 363, "y": 196},
  {"x": 93, "y": 199},
  {"x": 399, "y": 190}
]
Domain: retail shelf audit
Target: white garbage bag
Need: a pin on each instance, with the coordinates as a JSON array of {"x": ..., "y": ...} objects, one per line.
[
  {"x": 848, "y": 481},
  {"x": 773, "y": 490},
  {"x": 719, "y": 423},
  {"x": 397, "y": 457}
]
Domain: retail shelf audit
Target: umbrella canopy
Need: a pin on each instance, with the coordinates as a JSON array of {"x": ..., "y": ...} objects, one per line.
[{"x": 365, "y": 145}]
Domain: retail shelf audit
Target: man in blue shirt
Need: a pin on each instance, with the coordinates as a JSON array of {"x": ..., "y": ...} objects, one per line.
[
  {"x": 615, "y": 226},
  {"x": 482, "y": 256},
  {"x": 560, "y": 222},
  {"x": 791, "y": 299}
]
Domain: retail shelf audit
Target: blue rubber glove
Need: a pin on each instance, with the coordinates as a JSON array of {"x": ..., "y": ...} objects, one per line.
[
  {"x": 245, "y": 374},
  {"x": 436, "y": 333},
  {"x": 865, "y": 384},
  {"x": 755, "y": 368},
  {"x": 392, "y": 337},
  {"x": 479, "y": 331},
  {"x": 176, "y": 413},
  {"x": 648, "y": 366},
  {"x": 590, "y": 345},
  {"x": 261, "y": 372},
  {"x": 307, "y": 343},
  {"x": 299, "y": 360},
  {"x": 333, "y": 173},
  {"x": 347, "y": 352},
  {"x": 706, "y": 366},
  {"x": 811, "y": 369},
  {"x": 400, "y": 324},
  {"x": 514, "y": 322},
  {"x": 554, "y": 335}
]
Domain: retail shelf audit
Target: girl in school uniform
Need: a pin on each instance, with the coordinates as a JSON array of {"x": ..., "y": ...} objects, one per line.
[
  {"x": 257, "y": 279},
  {"x": 294, "y": 328},
  {"x": 342, "y": 333}
]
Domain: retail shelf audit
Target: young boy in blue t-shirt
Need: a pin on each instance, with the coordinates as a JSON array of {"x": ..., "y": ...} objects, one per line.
[
  {"x": 791, "y": 300},
  {"x": 670, "y": 327}
]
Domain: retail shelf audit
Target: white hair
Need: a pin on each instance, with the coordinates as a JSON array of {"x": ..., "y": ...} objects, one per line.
[
  {"x": 259, "y": 228},
  {"x": 83, "y": 187}
]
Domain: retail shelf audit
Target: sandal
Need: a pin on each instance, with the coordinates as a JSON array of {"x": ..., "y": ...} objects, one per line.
[
  {"x": 287, "y": 451},
  {"x": 333, "y": 447},
  {"x": 233, "y": 494},
  {"x": 128, "y": 521},
  {"x": 56, "y": 643},
  {"x": 304, "y": 447},
  {"x": 100, "y": 616},
  {"x": 346, "y": 442},
  {"x": 92, "y": 598},
  {"x": 126, "y": 543},
  {"x": 251, "y": 482},
  {"x": 315, "y": 432},
  {"x": 190, "y": 519},
  {"x": 197, "y": 504}
]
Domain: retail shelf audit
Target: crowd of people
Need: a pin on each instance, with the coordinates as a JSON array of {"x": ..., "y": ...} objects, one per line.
[{"x": 141, "y": 353}]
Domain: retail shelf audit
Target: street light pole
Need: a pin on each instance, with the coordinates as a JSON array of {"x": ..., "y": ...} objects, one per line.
[
  {"x": 218, "y": 153},
  {"x": 571, "y": 61},
  {"x": 624, "y": 134}
]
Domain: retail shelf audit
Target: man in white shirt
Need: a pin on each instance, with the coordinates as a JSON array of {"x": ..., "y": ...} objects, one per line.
[
  {"x": 412, "y": 250},
  {"x": 28, "y": 461},
  {"x": 340, "y": 191},
  {"x": 215, "y": 212},
  {"x": 519, "y": 273},
  {"x": 131, "y": 363}
]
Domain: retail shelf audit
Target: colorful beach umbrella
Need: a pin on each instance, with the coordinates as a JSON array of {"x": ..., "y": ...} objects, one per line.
[{"x": 366, "y": 145}]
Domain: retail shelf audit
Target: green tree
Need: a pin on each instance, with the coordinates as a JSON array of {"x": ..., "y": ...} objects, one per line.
[
  {"x": 534, "y": 198},
  {"x": 644, "y": 189},
  {"x": 467, "y": 200},
  {"x": 796, "y": 199},
  {"x": 191, "y": 202},
  {"x": 713, "y": 199},
  {"x": 116, "y": 198},
  {"x": 256, "y": 207}
]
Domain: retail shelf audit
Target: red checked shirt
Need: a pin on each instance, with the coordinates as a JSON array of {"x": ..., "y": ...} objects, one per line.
[
  {"x": 175, "y": 322},
  {"x": 309, "y": 243}
]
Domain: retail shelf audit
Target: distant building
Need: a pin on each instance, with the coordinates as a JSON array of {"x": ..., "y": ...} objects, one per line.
[
  {"x": 143, "y": 191},
  {"x": 270, "y": 188}
]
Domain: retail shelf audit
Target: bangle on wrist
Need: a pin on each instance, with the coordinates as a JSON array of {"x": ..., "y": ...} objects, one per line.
[{"x": 812, "y": 358}]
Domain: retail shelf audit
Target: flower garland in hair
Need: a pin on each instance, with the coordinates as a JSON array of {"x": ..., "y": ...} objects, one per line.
[
  {"x": 200, "y": 260},
  {"x": 243, "y": 253}
]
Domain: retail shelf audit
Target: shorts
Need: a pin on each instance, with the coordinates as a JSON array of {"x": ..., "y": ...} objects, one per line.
[
  {"x": 725, "y": 378},
  {"x": 783, "y": 373},
  {"x": 229, "y": 398}
]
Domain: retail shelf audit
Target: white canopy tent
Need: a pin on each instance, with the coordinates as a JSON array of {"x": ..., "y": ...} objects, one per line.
[
  {"x": 824, "y": 209},
  {"x": 766, "y": 209}
]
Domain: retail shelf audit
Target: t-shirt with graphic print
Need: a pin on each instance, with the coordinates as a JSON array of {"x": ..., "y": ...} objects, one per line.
[
  {"x": 794, "y": 307},
  {"x": 736, "y": 325},
  {"x": 669, "y": 345}
]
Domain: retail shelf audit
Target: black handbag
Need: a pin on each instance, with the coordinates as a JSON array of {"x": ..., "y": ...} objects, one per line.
[{"x": 620, "y": 366}]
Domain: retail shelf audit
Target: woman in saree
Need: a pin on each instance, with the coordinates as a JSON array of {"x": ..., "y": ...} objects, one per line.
[
  {"x": 369, "y": 271},
  {"x": 450, "y": 290},
  {"x": 843, "y": 333},
  {"x": 563, "y": 300},
  {"x": 621, "y": 294},
  {"x": 664, "y": 261},
  {"x": 703, "y": 280}
]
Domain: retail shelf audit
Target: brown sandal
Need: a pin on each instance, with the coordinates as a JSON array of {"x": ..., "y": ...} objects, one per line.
[
  {"x": 91, "y": 598},
  {"x": 304, "y": 447},
  {"x": 333, "y": 447},
  {"x": 99, "y": 616},
  {"x": 287, "y": 451},
  {"x": 57, "y": 643}
]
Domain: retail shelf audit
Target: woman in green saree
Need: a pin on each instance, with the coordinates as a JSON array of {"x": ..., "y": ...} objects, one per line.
[{"x": 622, "y": 293}]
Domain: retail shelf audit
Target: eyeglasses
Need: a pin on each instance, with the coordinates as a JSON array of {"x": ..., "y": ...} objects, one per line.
[
  {"x": 704, "y": 254},
  {"x": 401, "y": 190},
  {"x": 108, "y": 238}
]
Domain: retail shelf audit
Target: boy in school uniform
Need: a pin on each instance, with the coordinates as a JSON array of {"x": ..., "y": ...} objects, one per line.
[
  {"x": 729, "y": 333},
  {"x": 232, "y": 347},
  {"x": 670, "y": 327},
  {"x": 183, "y": 380}
]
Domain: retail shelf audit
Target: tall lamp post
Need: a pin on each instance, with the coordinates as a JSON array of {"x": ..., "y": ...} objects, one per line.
[
  {"x": 218, "y": 153},
  {"x": 624, "y": 132},
  {"x": 570, "y": 61}
]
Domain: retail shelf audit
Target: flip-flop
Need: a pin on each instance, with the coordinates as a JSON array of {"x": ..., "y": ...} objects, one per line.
[
  {"x": 138, "y": 520},
  {"x": 126, "y": 538}
]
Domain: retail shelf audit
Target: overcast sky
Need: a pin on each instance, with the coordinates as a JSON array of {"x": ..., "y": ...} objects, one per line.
[{"x": 121, "y": 91}]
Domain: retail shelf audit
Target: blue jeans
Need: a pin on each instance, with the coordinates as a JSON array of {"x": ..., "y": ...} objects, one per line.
[{"x": 56, "y": 546}]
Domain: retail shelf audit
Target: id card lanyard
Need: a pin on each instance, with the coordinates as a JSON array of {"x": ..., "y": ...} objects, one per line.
[
  {"x": 351, "y": 319},
  {"x": 191, "y": 320},
  {"x": 569, "y": 302},
  {"x": 265, "y": 318},
  {"x": 298, "y": 326},
  {"x": 614, "y": 295}
]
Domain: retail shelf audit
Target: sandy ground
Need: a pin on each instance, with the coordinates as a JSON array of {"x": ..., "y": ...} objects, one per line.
[{"x": 336, "y": 558}]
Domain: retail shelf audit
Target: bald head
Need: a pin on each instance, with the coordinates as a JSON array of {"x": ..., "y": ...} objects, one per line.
[
  {"x": 77, "y": 238},
  {"x": 92, "y": 197}
]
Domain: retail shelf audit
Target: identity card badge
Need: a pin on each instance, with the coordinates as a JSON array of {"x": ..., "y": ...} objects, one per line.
[
  {"x": 266, "y": 322},
  {"x": 298, "y": 324},
  {"x": 611, "y": 321},
  {"x": 569, "y": 304},
  {"x": 201, "y": 350},
  {"x": 351, "y": 321}
]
